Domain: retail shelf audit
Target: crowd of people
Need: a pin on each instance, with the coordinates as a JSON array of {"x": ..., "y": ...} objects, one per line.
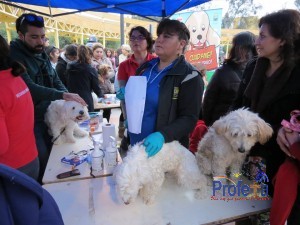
[{"x": 261, "y": 73}]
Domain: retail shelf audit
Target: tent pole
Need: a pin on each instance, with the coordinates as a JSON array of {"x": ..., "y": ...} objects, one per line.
[{"x": 122, "y": 29}]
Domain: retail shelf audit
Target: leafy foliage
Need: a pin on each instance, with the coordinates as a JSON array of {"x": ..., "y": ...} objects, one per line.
[
  {"x": 239, "y": 8},
  {"x": 297, "y": 4}
]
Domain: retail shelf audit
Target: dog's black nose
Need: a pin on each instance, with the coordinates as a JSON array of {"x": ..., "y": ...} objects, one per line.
[
  {"x": 241, "y": 150},
  {"x": 199, "y": 37},
  {"x": 81, "y": 112}
]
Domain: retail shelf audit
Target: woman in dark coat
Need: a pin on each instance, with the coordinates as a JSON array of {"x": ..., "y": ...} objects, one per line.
[
  {"x": 222, "y": 89},
  {"x": 82, "y": 78},
  {"x": 271, "y": 83}
]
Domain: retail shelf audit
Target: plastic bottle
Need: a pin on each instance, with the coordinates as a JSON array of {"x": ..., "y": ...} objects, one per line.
[
  {"x": 97, "y": 157},
  {"x": 111, "y": 152}
]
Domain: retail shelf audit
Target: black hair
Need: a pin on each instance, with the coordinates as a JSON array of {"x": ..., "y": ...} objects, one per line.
[
  {"x": 285, "y": 25},
  {"x": 49, "y": 49},
  {"x": 174, "y": 27},
  {"x": 71, "y": 50},
  {"x": 5, "y": 61},
  {"x": 28, "y": 19},
  {"x": 243, "y": 48},
  {"x": 146, "y": 34}
]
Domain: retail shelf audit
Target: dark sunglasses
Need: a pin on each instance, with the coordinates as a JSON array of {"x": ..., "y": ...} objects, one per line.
[{"x": 32, "y": 18}]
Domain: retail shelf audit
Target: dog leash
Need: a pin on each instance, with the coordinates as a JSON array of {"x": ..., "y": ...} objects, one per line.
[{"x": 58, "y": 135}]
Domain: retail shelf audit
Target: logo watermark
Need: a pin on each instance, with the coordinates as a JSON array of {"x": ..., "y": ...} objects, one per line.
[{"x": 236, "y": 189}]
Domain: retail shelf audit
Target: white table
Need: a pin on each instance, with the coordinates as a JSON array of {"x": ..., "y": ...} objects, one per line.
[
  {"x": 55, "y": 166},
  {"x": 109, "y": 102},
  {"x": 99, "y": 105},
  {"x": 95, "y": 202}
]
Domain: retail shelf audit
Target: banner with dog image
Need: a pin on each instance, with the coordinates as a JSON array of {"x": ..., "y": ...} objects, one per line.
[{"x": 205, "y": 30}]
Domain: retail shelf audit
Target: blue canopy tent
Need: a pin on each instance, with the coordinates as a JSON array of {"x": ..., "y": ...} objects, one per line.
[{"x": 143, "y": 8}]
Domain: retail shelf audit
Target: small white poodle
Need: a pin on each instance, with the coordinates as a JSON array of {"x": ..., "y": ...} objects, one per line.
[
  {"x": 143, "y": 176},
  {"x": 229, "y": 140},
  {"x": 62, "y": 118}
]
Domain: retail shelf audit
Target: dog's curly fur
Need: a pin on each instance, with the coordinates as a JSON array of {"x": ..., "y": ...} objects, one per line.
[
  {"x": 140, "y": 175},
  {"x": 62, "y": 115},
  {"x": 229, "y": 140}
]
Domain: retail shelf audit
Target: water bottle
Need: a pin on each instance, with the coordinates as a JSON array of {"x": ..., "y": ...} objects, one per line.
[
  {"x": 97, "y": 157},
  {"x": 111, "y": 152}
]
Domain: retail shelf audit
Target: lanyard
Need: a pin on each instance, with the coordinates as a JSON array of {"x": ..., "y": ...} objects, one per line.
[{"x": 167, "y": 67}]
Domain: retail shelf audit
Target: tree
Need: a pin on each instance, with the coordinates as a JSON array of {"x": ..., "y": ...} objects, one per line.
[
  {"x": 239, "y": 8},
  {"x": 297, "y": 4}
]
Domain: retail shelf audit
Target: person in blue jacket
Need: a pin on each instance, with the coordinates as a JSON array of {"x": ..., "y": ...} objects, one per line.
[
  {"x": 174, "y": 91},
  {"x": 24, "y": 201}
]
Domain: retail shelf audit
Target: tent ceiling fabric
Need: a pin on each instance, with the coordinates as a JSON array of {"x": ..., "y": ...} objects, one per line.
[{"x": 144, "y": 8}]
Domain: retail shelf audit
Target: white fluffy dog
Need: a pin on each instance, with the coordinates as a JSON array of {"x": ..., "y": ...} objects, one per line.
[
  {"x": 229, "y": 140},
  {"x": 62, "y": 118},
  {"x": 140, "y": 175}
]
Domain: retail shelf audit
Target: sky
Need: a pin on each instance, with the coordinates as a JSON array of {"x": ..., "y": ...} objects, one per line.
[{"x": 268, "y": 6}]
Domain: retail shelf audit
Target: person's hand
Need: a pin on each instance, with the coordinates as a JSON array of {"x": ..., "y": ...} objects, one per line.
[
  {"x": 285, "y": 138},
  {"x": 154, "y": 143},
  {"x": 73, "y": 97},
  {"x": 121, "y": 93}
]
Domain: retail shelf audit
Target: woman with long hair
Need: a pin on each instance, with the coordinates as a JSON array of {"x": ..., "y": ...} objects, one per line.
[
  {"x": 100, "y": 58},
  {"x": 222, "y": 88},
  {"x": 110, "y": 56},
  {"x": 82, "y": 78},
  {"x": 271, "y": 88}
]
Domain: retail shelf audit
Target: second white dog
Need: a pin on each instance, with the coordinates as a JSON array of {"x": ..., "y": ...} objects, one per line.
[
  {"x": 229, "y": 140},
  {"x": 62, "y": 118},
  {"x": 140, "y": 175}
]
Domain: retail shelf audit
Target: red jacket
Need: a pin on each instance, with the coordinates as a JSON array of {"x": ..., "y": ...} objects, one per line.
[
  {"x": 129, "y": 66},
  {"x": 197, "y": 134},
  {"x": 17, "y": 141},
  {"x": 285, "y": 189}
]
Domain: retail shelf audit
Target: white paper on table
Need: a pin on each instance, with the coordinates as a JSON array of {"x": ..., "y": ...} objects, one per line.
[{"x": 135, "y": 97}]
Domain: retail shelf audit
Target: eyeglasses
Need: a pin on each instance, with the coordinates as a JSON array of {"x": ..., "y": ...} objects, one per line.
[
  {"x": 137, "y": 38},
  {"x": 32, "y": 18}
]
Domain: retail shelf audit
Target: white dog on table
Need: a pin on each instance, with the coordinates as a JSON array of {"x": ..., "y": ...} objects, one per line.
[
  {"x": 62, "y": 118},
  {"x": 140, "y": 175},
  {"x": 229, "y": 140}
]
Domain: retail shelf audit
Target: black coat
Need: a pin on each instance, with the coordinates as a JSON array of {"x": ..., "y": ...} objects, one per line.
[
  {"x": 179, "y": 103},
  {"x": 221, "y": 92},
  {"x": 286, "y": 100},
  {"x": 61, "y": 70},
  {"x": 83, "y": 79}
]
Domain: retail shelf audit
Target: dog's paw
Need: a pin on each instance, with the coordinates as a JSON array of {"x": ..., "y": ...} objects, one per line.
[
  {"x": 149, "y": 200},
  {"x": 57, "y": 141},
  {"x": 81, "y": 133},
  {"x": 70, "y": 140},
  {"x": 209, "y": 181}
]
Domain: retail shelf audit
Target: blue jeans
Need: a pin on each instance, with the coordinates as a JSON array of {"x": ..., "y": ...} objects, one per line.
[{"x": 44, "y": 145}]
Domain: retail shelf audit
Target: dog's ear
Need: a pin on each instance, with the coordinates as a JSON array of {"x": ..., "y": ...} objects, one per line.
[
  {"x": 265, "y": 131},
  {"x": 60, "y": 109},
  {"x": 220, "y": 126},
  {"x": 212, "y": 37},
  {"x": 56, "y": 106}
]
